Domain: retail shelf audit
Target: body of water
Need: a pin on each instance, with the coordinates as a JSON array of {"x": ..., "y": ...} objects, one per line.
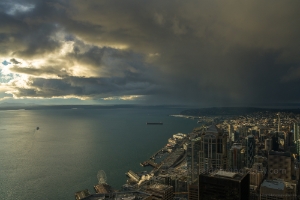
[{"x": 72, "y": 145}]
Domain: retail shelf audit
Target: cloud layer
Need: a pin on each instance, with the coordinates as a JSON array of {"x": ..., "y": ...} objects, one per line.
[{"x": 219, "y": 53}]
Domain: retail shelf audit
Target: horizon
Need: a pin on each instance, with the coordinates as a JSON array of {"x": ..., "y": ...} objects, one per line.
[{"x": 16, "y": 106}]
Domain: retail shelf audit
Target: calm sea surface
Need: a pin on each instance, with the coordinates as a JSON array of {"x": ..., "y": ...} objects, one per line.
[{"x": 72, "y": 145}]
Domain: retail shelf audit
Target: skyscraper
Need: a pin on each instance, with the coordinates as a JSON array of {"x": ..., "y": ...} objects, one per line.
[
  {"x": 279, "y": 125},
  {"x": 275, "y": 142},
  {"x": 297, "y": 137},
  {"x": 250, "y": 150},
  {"x": 268, "y": 144},
  {"x": 195, "y": 158},
  {"x": 298, "y": 148},
  {"x": 257, "y": 173},
  {"x": 296, "y": 131},
  {"x": 230, "y": 132},
  {"x": 213, "y": 152},
  {"x": 288, "y": 140},
  {"x": 236, "y": 156}
]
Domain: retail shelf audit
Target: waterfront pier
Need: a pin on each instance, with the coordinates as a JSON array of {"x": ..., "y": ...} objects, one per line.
[{"x": 151, "y": 163}]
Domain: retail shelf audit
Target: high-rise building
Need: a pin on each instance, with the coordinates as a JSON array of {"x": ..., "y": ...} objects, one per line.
[
  {"x": 230, "y": 132},
  {"x": 279, "y": 165},
  {"x": 250, "y": 150},
  {"x": 262, "y": 131},
  {"x": 243, "y": 131},
  {"x": 213, "y": 152},
  {"x": 236, "y": 157},
  {"x": 275, "y": 142},
  {"x": 297, "y": 138},
  {"x": 223, "y": 185},
  {"x": 288, "y": 140},
  {"x": 298, "y": 148},
  {"x": 296, "y": 131},
  {"x": 257, "y": 173},
  {"x": 235, "y": 136},
  {"x": 189, "y": 152},
  {"x": 268, "y": 144},
  {"x": 195, "y": 158},
  {"x": 279, "y": 125},
  {"x": 261, "y": 159}
]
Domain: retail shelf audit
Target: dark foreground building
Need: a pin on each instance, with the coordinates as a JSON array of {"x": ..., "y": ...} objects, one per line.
[
  {"x": 224, "y": 185},
  {"x": 193, "y": 191}
]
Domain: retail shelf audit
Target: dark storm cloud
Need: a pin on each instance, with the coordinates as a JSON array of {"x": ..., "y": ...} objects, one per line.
[
  {"x": 46, "y": 70},
  {"x": 82, "y": 87},
  {"x": 199, "y": 52},
  {"x": 29, "y": 31}
]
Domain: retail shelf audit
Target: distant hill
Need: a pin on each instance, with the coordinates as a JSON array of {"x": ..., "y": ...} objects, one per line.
[
  {"x": 17, "y": 106},
  {"x": 8, "y": 104},
  {"x": 231, "y": 111}
]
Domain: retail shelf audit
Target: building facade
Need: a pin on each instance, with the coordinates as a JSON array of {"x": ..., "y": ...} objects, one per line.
[
  {"x": 213, "y": 152},
  {"x": 236, "y": 157},
  {"x": 279, "y": 165},
  {"x": 250, "y": 150},
  {"x": 195, "y": 158}
]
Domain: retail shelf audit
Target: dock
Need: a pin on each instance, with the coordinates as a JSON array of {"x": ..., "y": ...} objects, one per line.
[
  {"x": 82, "y": 194},
  {"x": 133, "y": 176},
  {"x": 156, "y": 153},
  {"x": 103, "y": 189},
  {"x": 150, "y": 163}
]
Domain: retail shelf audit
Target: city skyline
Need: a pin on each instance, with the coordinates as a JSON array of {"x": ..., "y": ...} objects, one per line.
[{"x": 201, "y": 53}]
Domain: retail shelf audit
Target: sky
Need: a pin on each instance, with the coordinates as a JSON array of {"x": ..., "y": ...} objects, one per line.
[{"x": 201, "y": 53}]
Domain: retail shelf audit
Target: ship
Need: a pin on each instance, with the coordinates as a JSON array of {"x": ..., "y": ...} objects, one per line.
[{"x": 154, "y": 123}]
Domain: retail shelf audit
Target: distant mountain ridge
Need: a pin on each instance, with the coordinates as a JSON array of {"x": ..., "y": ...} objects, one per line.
[
  {"x": 8, "y": 104},
  {"x": 232, "y": 111},
  {"x": 17, "y": 106}
]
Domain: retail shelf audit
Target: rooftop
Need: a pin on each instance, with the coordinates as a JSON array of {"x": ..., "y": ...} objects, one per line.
[
  {"x": 279, "y": 153},
  {"x": 212, "y": 129},
  {"x": 158, "y": 186},
  {"x": 225, "y": 175},
  {"x": 273, "y": 184}
]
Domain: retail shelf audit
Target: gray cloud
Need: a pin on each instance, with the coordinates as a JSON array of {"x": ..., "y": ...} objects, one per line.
[
  {"x": 198, "y": 52},
  {"x": 93, "y": 88},
  {"x": 15, "y": 61}
]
